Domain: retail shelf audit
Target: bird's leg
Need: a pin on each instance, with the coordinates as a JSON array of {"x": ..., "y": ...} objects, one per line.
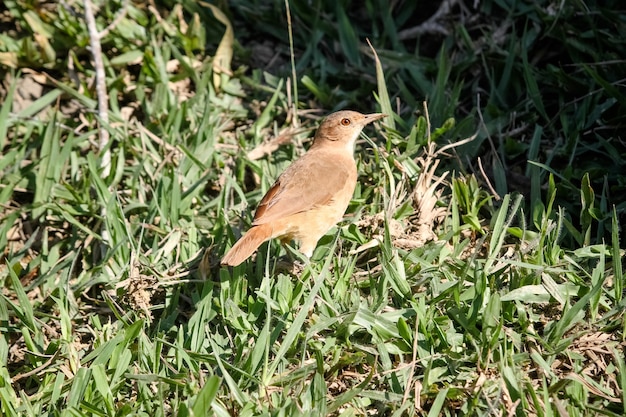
[{"x": 293, "y": 263}]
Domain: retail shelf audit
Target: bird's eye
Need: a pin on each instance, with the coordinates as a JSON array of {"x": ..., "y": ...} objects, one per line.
[{"x": 345, "y": 121}]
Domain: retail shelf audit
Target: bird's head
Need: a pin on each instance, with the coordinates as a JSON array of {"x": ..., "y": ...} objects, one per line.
[{"x": 342, "y": 128}]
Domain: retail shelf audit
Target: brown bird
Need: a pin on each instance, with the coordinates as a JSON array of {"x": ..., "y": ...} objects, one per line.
[{"x": 312, "y": 195}]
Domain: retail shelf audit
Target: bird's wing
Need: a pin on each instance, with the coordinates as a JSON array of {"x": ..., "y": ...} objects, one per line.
[{"x": 311, "y": 181}]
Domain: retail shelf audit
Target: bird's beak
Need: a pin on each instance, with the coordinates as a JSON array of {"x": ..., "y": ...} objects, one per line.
[{"x": 369, "y": 118}]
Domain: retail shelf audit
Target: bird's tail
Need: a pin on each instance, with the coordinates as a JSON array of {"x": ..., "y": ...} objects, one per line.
[{"x": 247, "y": 245}]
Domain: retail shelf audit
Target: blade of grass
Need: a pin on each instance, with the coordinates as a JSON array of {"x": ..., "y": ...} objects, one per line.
[
  {"x": 570, "y": 315},
  {"x": 347, "y": 36},
  {"x": 41, "y": 103},
  {"x": 224, "y": 53},
  {"x": 23, "y": 308},
  {"x": 298, "y": 322},
  {"x": 437, "y": 406},
  {"x": 500, "y": 228},
  {"x": 235, "y": 391},
  {"x": 616, "y": 255},
  {"x": 4, "y": 112},
  {"x": 204, "y": 399},
  {"x": 383, "y": 94},
  {"x": 46, "y": 177}
]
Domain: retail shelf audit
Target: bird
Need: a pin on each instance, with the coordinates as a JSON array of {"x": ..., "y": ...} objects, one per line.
[{"x": 312, "y": 194}]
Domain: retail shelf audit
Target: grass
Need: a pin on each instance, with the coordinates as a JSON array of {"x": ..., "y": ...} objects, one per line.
[{"x": 452, "y": 288}]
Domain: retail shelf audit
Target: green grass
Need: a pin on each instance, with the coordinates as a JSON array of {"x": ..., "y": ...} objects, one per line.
[{"x": 113, "y": 301}]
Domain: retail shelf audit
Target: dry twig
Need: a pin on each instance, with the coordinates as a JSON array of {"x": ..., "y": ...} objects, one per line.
[
  {"x": 101, "y": 90},
  {"x": 432, "y": 25}
]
